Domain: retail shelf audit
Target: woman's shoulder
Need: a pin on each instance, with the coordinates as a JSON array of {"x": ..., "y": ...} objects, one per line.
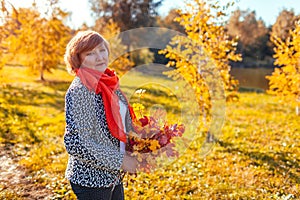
[{"x": 76, "y": 88}]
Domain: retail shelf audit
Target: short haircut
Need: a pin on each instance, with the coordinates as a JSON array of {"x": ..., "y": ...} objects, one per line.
[{"x": 83, "y": 41}]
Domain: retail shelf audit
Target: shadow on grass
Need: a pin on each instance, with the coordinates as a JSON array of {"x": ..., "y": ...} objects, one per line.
[
  {"x": 149, "y": 102},
  {"x": 57, "y": 85},
  {"x": 28, "y": 96},
  {"x": 248, "y": 89},
  {"x": 154, "y": 96},
  {"x": 17, "y": 125},
  {"x": 130, "y": 90},
  {"x": 282, "y": 163}
]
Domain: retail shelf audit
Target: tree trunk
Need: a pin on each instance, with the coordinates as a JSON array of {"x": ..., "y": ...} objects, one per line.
[
  {"x": 210, "y": 137},
  {"x": 42, "y": 75},
  {"x": 298, "y": 106}
]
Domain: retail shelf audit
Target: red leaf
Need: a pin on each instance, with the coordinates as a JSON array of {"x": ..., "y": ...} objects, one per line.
[
  {"x": 171, "y": 152},
  {"x": 163, "y": 140},
  {"x": 144, "y": 121}
]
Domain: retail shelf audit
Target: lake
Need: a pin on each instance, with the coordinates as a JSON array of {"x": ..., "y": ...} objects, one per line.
[
  {"x": 249, "y": 78},
  {"x": 252, "y": 77}
]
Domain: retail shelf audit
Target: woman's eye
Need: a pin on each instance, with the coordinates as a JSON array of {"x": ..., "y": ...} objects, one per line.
[
  {"x": 102, "y": 50},
  {"x": 90, "y": 53}
]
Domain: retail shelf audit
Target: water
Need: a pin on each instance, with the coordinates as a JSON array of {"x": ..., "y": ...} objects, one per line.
[{"x": 252, "y": 77}]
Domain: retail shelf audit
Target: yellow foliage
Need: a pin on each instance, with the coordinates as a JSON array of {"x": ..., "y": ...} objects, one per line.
[
  {"x": 42, "y": 41},
  {"x": 206, "y": 49},
  {"x": 154, "y": 145},
  {"x": 285, "y": 80},
  {"x": 118, "y": 60}
]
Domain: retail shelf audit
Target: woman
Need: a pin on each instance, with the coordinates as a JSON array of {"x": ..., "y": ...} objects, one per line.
[{"x": 97, "y": 119}]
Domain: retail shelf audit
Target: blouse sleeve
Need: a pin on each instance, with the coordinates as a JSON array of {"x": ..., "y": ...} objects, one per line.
[{"x": 79, "y": 140}]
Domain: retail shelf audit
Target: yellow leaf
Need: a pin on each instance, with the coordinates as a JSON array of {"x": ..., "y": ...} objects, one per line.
[{"x": 154, "y": 145}]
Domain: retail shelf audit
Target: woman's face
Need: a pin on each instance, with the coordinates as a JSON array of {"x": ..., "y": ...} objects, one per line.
[{"x": 96, "y": 58}]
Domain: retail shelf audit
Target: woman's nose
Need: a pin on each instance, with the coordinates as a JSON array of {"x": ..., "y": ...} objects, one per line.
[{"x": 99, "y": 55}]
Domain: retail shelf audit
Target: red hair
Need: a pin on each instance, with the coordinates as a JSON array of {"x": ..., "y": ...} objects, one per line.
[{"x": 83, "y": 41}]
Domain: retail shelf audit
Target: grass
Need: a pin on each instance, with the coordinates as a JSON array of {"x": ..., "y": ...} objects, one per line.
[
  {"x": 256, "y": 157},
  {"x": 32, "y": 118}
]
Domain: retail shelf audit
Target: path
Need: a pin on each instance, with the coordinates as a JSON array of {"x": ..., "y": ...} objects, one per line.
[{"x": 14, "y": 182}]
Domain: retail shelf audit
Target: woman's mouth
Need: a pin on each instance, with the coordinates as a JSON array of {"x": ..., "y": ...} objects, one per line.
[{"x": 100, "y": 64}]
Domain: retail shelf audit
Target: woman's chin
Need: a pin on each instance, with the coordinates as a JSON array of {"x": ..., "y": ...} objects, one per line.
[{"x": 100, "y": 68}]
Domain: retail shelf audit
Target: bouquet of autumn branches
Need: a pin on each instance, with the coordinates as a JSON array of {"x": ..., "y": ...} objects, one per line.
[{"x": 151, "y": 138}]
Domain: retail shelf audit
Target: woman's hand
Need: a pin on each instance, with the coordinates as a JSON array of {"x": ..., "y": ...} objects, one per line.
[{"x": 130, "y": 164}]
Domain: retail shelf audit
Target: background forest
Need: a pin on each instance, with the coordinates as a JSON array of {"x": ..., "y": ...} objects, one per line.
[{"x": 255, "y": 155}]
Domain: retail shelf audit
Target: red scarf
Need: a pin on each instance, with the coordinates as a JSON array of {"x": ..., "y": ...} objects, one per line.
[{"x": 106, "y": 84}]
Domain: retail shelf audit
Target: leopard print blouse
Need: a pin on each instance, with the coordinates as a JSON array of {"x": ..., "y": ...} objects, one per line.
[{"x": 94, "y": 154}]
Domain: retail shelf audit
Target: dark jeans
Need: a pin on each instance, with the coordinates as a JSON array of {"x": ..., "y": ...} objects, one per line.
[{"x": 103, "y": 193}]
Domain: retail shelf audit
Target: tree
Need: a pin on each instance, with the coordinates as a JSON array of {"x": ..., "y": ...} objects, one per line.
[
  {"x": 205, "y": 38},
  {"x": 284, "y": 23},
  {"x": 110, "y": 30},
  {"x": 252, "y": 34},
  {"x": 3, "y": 59},
  {"x": 169, "y": 22},
  {"x": 38, "y": 41},
  {"x": 285, "y": 80},
  {"x": 127, "y": 14},
  {"x": 6, "y": 11}
]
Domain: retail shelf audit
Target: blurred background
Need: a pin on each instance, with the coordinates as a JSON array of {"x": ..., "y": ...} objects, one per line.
[{"x": 254, "y": 46}]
